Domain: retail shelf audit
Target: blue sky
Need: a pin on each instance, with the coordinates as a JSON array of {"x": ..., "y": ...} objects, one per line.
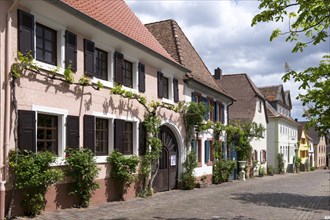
[{"x": 221, "y": 33}]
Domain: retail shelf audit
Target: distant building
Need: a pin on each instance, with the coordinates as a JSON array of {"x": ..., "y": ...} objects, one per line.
[
  {"x": 319, "y": 145},
  {"x": 282, "y": 130}
]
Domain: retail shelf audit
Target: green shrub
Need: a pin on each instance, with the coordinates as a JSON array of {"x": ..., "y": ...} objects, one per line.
[
  {"x": 312, "y": 168},
  {"x": 82, "y": 170},
  {"x": 188, "y": 178},
  {"x": 280, "y": 163},
  {"x": 270, "y": 170},
  {"x": 297, "y": 163},
  {"x": 33, "y": 175},
  {"x": 222, "y": 170},
  {"x": 262, "y": 172},
  {"x": 122, "y": 169}
]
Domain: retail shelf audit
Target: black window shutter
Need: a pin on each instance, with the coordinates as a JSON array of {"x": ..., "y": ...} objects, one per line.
[
  {"x": 71, "y": 50},
  {"x": 119, "y": 62},
  {"x": 72, "y": 131},
  {"x": 119, "y": 135},
  {"x": 27, "y": 130},
  {"x": 25, "y": 32},
  {"x": 142, "y": 83},
  {"x": 89, "y": 47},
  {"x": 176, "y": 89},
  {"x": 160, "y": 84},
  {"x": 89, "y": 132},
  {"x": 142, "y": 139}
]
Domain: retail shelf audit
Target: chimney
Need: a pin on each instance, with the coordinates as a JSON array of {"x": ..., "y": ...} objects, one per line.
[{"x": 217, "y": 73}]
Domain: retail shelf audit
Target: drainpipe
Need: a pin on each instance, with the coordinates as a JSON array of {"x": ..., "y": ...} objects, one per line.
[{"x": 4, "y": 161}]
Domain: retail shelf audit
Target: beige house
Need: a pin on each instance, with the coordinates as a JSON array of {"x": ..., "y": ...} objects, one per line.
[
  {"x": 105, "y": 42},
  {"x": 319, "y": 144}
]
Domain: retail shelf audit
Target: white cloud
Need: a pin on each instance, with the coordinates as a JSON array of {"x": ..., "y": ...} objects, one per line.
[{"x": 221, "y": 33}]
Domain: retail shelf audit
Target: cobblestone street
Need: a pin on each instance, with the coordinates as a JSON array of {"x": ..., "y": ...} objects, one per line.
[{"x": 289, "y": 196}]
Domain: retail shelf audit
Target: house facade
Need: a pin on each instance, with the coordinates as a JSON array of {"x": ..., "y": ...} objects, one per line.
[
  {"x": 282, "y": 130},
  {"x": 103, "y": 42},
  {"x": 304, "y": 145},
  {"x": 200, "y": 86},
  {"x": 249, "y": 107},
  {"x": 319, "y": 145}
]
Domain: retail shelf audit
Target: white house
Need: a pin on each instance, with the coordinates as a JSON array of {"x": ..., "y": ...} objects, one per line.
[{"x": 282, "y": 130}]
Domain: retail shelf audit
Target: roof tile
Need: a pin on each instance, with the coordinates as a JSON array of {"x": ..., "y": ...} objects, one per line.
[
  {"x": 173, "y": 39},
  {"x": 118, "y": 16}
]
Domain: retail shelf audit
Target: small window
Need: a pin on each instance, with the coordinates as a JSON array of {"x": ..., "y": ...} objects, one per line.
[
  {"x": 47, "y": 133},
  {"x": 165, "y": 87},
  {"x": 46, "y": 44},
  {"x": 128, "y": 74},
  {"x": 101, "y": 64},
  {"x": 259, "y": 103},
  {"x": 102, "y": 138}
]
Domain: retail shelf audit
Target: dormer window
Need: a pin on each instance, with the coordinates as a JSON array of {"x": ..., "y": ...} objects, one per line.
[{"x": 259, "y": 104}]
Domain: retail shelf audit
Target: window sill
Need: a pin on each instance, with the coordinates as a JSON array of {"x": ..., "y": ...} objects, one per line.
[
  {"x": 168, "y": 101},
  {"x": 105, "y": 83},
  {"x": 49, "y": 67}
]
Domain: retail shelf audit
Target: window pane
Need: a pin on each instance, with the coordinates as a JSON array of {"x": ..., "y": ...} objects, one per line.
[
  {"x": 101, "y": 63},
  {"x": 128, "y": 74},
  {"x": 46, "y": 44},
  {"x": 101, "y": 137},
  {"x": 128, "y": 142},
  {"x": 47, "y": 133},
  {"x": 165, "y": 88}
]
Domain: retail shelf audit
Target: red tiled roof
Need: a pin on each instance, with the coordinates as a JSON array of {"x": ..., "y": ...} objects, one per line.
[
  {"x": 118, "y": 16},
  {"x": 173, "y": 39}
]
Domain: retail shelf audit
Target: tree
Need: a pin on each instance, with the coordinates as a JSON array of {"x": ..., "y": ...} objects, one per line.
[{"x": 312, "y": 20}]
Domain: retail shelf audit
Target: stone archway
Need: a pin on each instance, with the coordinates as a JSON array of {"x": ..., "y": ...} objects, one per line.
[{"x": 167, "y": 176}]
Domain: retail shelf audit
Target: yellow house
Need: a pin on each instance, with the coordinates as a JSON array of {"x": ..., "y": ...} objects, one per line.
[{"x": 304, "y": 145}]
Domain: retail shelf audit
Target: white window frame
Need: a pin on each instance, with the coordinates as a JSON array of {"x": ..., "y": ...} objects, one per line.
[
  {"x": 61, "y": 114},
  {"x": 60, "y": 44},
  {"x": 170, "y": 99},
  {"x": 106, "y": 83},
  {"x": 135, "y": 72},
  {"x": 111, "y": 136}
]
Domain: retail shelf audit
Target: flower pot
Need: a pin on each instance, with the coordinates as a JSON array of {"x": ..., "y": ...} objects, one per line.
[{"x": 242, "y": 164}]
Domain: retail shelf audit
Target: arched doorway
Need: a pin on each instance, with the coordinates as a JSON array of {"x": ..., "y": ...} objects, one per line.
[{"x": 166, "y": 178}]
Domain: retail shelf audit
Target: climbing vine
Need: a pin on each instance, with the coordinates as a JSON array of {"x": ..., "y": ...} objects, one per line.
[
  {"x": 24, "y": 65},
  {"x": 239, "y": 136},
  {"x": 152, "y": 123},
  {"x": 122, "y": 169},
  {"x": 222, "y": 167}
]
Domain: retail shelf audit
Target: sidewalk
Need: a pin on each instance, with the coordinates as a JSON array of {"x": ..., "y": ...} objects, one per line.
[{"x": 289, "y": 196}]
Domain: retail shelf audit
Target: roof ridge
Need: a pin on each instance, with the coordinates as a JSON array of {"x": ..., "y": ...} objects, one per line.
[
  {"x": 174, "y": 28},
  {"x": 270, "y": 86}
]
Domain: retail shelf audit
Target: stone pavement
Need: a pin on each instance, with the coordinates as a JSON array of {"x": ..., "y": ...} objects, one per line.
[{"x": 289, "y": 196}]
